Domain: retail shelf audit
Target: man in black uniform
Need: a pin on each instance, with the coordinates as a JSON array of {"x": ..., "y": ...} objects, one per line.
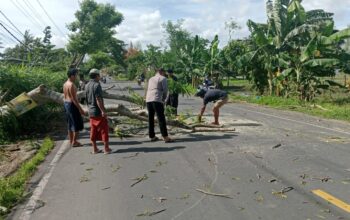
[{"x": 212, "y": 95}]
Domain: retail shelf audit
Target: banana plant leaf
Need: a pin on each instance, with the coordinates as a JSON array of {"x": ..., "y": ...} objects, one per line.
[
  {"x": 309, "y": 50},
  {"x": 321, "y": 62},
  {"x": 332, "y": 83},
  {"x": 340, "y": 35}
]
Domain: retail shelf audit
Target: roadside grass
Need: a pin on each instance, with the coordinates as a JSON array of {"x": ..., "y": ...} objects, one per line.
[
  {"x": 12, "y": 188},
  {"x": 333, "y": 104},
  {"x": 121, "y": 77},
  {"x": 240, "y": 82},
  {"x": 237, "y": 85}
]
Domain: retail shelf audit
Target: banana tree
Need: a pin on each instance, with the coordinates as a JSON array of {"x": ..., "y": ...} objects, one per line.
[
  {"x": 213, "y": 65},
  {"x": 288, "y": 39},
  {"x": 191, "y": 59},
  {"x": 322, "y": 56}
]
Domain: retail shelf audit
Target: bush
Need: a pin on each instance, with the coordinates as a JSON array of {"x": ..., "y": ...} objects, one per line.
[{"x": 15, "y": 80}]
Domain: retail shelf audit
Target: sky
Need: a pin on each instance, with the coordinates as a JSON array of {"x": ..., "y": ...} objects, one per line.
[{"x": 143, "y": 19}]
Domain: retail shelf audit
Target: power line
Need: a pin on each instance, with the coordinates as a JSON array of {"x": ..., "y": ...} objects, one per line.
[
  {"x": 47, "y": 14},
  {"x": 11, "y": 23},
  {"x": 11, "y": 34},
  {"x": 8, "y": 26},
  {"x": 26, "y": 15},
  {"x": 35, "y": 12},
  {"x": 7, "y": 39}
]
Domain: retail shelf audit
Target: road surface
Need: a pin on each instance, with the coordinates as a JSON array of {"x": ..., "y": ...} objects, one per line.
[{"x": 277, "y": 165}]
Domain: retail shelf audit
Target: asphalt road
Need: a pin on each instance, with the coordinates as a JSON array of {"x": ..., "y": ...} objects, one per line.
[{"x": 270, "y": 168}]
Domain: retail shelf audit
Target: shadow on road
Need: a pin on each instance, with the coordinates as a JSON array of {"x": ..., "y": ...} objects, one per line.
[
  {"x": 124, "y": 143},
  {"x": 201, "y": 137},
  {"x": 245, "y": 124},
  {"x": 148, "y": 149}
]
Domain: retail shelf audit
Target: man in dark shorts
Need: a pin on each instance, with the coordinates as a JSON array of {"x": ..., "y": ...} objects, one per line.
[
  {"x": 173, "y": 97},
  {"x": 72, "y": 108},
  {"x": 97, "y": 112},
  {"x": 212, "y": 95}
]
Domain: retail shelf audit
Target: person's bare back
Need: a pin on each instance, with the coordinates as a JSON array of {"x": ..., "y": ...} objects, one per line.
[{"x": 69, "y": 91}]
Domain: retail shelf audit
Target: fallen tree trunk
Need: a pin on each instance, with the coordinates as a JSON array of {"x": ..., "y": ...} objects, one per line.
[{"x": 43, "y": 95}]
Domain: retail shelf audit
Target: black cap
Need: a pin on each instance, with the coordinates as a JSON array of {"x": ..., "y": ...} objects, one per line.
[{"x": 201, "y": 91}]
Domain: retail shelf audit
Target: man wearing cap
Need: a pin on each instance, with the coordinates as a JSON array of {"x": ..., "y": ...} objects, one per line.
[
  {"x": 217, "y": 96},
  {"x": 72, "y": 108},
  {"x": 156, "y": 94},
  {"x": 97, "y": 112}
]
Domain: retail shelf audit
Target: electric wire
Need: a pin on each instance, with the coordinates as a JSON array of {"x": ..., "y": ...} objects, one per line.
[
  {"x": 11, "y": 33},
  {"x": 10, "y": 28},
  {"x": 35, "y": 12},
  {"x": 47, "y": 14},
  {"x": 6, "y": 39},
  {"x": 26, "y": 15},
  {"x": 17, "y": 30},
  {"x": 29, "y": 13}
]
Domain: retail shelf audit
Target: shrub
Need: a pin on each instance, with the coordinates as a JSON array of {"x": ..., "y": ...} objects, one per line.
[{"x": 15, "y": 80}]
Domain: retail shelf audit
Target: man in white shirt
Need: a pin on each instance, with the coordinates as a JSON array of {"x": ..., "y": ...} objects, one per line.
[{"x": 157, "y": 91}]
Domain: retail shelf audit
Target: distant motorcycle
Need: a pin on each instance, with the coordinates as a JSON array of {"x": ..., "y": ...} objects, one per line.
[{"x": 140, "y": 80}]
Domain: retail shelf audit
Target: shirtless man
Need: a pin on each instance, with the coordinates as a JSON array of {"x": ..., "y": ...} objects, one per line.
[{"x": 72, "y": 108}]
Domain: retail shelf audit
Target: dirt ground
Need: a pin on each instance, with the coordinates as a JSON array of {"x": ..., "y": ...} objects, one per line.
[{"x": 13, "y": 155}]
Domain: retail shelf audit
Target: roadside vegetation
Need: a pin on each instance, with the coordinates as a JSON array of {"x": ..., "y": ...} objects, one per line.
[
  {"x": 12, "y": 188},
  {"x": 333, "y": 104}
]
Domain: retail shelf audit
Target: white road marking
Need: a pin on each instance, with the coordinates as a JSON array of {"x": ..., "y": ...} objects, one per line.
[
  {"x": 30, "y": 207},
  {"x": 300, "y": 122},
  {"x": 211, "y": 185}
]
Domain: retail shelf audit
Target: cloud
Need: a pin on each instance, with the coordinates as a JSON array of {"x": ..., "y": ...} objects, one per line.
[
  {"x": 200, "y": 1},
  {"x": 144, "y": 28},
  {"x": 59, "y": 41}
]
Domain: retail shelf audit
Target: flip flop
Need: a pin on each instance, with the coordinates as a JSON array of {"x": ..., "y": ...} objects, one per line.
[
  {"x": 77, "y": 144},
  {"x": 96, "y": 152},
  {"x": 169, "y": 141},
  {"x": 213, "y": 123},
  {"x": 154, "y": 139},
  {"x": 108, "y": 152}
]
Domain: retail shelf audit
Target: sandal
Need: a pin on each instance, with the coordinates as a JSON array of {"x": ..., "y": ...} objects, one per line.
[
  {"x": 154, "y": 139},
  {"x": 77, "y": 144},
  {"x": 169, "y": 140},
  {"x": 108, "y": 151},
  {"x": 96, "y": 152}
]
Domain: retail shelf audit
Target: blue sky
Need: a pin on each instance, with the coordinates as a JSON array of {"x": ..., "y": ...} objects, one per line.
[{"x": 143, "y": 19}]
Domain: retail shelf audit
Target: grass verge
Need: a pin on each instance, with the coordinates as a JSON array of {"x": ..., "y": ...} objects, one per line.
[
  {"x": 320, "y": 107},
  {"x": 12, "y": 188}
]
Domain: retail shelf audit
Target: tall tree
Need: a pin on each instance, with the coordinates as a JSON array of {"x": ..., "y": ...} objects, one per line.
[
  {"x": 93, "y": 27},
  {"x": 177, "y": 36}
]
